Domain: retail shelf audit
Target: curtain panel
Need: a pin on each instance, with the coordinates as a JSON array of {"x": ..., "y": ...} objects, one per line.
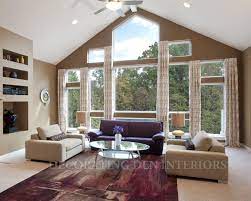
[
  {"x": 162, "y": 102},
  {"x": 62, "y": 99},
  {"x": 194, "y": 97},
  {"x": 84, "y": 94},
  {"x": 108, "y": 84},
  {"x": 231, "y": 103}
]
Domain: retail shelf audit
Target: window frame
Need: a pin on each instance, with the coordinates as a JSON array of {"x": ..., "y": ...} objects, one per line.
[
  {"x": 93, "y": 49},
  {"x": 70, "y": 85},
  {"x": 135, "y": 114},
  {"x": 215, "y": 81},
  {"x": 187, "y": 41},
  {"x": 128, "y": 19}
]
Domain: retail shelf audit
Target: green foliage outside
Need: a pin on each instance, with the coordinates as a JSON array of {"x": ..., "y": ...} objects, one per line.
[{"x": 73, "y": 100}]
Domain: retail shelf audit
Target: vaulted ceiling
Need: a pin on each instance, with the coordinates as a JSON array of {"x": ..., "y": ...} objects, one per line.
[{"x": 49, "y": 23}]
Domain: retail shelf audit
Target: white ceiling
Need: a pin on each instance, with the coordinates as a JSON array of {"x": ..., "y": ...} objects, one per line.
[{"x": 48, "y": 22}]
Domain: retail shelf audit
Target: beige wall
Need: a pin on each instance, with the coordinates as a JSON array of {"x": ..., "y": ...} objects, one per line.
[
  {"x": 45, "y": 76},
  {"x": 246, "y": 137}
]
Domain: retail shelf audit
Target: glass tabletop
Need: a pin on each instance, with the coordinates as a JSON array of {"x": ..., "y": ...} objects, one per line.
[{"x": 124, "y": 146}]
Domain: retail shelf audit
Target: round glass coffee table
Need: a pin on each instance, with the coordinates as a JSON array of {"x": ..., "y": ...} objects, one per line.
[{"x": 126, "y": 150}]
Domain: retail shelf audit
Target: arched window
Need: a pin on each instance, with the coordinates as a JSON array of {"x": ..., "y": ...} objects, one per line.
[{"x": 137, "y": 38}]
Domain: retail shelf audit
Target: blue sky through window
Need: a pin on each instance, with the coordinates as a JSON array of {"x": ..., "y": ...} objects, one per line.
[{"x": 133, "y": 37}]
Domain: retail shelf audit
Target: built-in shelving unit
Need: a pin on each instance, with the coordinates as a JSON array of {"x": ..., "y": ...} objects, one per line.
[{"x": 16, "y": 74}]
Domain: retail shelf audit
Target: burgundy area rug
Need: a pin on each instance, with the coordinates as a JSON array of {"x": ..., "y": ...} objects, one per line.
[{"x": 78, "y": 179}]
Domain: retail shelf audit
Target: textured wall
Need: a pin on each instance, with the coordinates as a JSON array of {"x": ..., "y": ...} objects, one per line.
[{"x": 45, "y": 76}]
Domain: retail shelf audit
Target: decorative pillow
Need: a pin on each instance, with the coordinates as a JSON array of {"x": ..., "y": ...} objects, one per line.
[
  {"x": 58, "y": 137},
  {"x": 202, "y": 141},
  {"x": 48, "y": 131},
  {"x": 189, "y": 145}
]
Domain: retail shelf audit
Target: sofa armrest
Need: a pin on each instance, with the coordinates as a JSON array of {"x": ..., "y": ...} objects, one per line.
[
  {"x": 200, "y": 164},
  {"x": 77, "y": 136},
  {"x": 159, "y": 136},
  {"x": 95, "y": 133},
  {"x": 176, "y": 142},
  {"x": 45, "y": 150}
]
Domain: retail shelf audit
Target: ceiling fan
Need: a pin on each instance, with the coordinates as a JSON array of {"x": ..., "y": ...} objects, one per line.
[{"x": 117, "y": 5}]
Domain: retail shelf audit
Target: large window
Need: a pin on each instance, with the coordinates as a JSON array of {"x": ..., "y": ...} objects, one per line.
[
  {"x": 73, "y": 97},
  {"x": 180, "y": 49},
  {"x": 133, "y": 37},
  {"x": 97, "y": 89},
  {"x": 136, "y": 89},
  {"x": 179, "y": 93},
  {"x": 95, "y": 55},
  {"x": 212, "y": 108},
  {"x": 179, "y": 88},
  {"x": 212, "y": 97}
]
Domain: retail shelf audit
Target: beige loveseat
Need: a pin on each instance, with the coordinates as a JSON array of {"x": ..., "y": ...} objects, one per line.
[
  {"x": 41, "y": 148},
  {"x": 207, "y": 161}
]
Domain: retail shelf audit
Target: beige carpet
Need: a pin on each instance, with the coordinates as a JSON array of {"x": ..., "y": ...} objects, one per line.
[{"x": 14, "y": 168}]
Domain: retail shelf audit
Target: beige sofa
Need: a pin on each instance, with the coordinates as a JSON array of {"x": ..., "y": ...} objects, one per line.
[
  {"x": 207, "y": 161},
  {"x": 42, "y": 149}
]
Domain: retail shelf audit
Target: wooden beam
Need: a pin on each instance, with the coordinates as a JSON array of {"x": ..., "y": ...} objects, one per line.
[{"x": 212, "y": 80}]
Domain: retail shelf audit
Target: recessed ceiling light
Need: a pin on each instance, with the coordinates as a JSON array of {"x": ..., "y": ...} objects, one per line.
[
  {"x": 74, "y": 21},
  {"x": 187, "y": 4}
]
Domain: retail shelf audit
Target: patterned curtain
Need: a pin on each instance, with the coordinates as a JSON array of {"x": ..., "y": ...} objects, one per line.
[
  {"x": 108, "y": 84},
  {"x": 162, "y": 106},
  {"x": 231, "y": 103},
  {"x": 62, "y": 99},
  {"x": 194, "y": 97},
  {"x": 84, "y": 94}
]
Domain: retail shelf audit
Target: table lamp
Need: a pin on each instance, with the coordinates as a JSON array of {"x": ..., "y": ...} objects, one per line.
[
  {"x": 178, "y": 122},
  {"x": 81, "y": 120}
]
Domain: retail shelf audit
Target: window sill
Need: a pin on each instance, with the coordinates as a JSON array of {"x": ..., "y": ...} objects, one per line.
[{"x": 218, "y": 137}]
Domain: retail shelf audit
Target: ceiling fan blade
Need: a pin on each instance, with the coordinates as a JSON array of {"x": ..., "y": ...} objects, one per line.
[
  {"x": 100, "y": 10},
  {"x": 134, "y": 3},
  {"x": 133, "y": 8},
  {"x": 120, "y": 12}
]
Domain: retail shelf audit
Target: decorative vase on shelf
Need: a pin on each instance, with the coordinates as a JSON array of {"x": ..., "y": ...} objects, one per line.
[
  {"x": 118, "y": 130},
  {"x": 13, "y": 74},
  {"x": 22, "y": 59}
]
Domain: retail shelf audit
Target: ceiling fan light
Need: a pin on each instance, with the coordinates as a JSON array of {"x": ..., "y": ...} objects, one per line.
[{"x": 114, "y": 5}]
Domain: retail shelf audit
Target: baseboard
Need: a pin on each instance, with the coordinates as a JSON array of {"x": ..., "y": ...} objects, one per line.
[{"x": 246, "y": 147}]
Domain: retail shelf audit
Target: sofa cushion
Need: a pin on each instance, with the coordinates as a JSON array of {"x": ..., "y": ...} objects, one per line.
[
  {"x": 144, "y": 129},
  {"x": 71, "y": 143},
  {"x": 175, "y": 147},
  {"x": 147, "y": 141},
  {"x": 48, "y": 131},
  {"x": 106, "y": 126},
  {"x": 217, "y": 146},
  {"x": 202, "y": 141},
  {"x": 105, "y": 138}
]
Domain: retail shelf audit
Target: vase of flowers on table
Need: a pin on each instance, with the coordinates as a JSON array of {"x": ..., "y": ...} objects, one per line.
[{"x": 117, "y": 131}]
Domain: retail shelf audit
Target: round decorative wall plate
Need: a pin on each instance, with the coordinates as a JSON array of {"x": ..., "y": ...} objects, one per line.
[{"x": 45, "y": 96}]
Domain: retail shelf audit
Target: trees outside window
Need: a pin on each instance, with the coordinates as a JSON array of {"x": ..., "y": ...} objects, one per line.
[
  {"x": 97, "y": 89},
  {"x": 212, "y": 99},
  {"x": 136, "y": 89},
  {"x": 73, "y": 106},
  {"x": 73, "y": 76},
  {"x": 73, "y": 98}
]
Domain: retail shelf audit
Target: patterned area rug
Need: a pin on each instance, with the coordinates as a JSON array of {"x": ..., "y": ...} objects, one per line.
[{"x": 78, "y": 179}]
